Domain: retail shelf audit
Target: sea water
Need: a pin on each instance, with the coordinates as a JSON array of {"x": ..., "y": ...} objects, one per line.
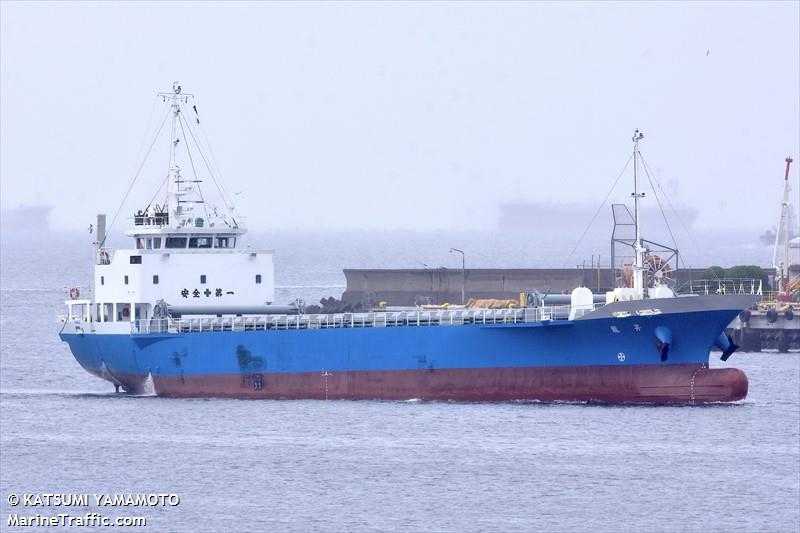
[{"x": 252, "y": 465}]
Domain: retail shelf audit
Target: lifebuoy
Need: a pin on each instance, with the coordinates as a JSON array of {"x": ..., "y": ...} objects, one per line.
[{"x": 74, "y": 293}]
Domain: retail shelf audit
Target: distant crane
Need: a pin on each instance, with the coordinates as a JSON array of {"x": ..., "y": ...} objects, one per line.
[{"x": 782, "y": 267}]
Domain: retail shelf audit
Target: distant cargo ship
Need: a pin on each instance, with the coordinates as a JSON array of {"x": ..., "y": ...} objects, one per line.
[
  {"x": 188, "y": 311},
  {"x": 26, "y": 219},
  {"x": 522, "y": 215}
]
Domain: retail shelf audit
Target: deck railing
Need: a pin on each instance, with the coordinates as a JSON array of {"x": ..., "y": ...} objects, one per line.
[
  {"x": 79, "y": 292},
  {"x": 443, "y": 318},
  {"x": 726, "y": 286},
  {"x": 104, "y": 255}
]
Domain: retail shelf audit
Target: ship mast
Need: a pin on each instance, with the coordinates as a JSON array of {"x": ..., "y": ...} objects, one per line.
[
  {"x": 782, "y": 268},
  {"x": 638, "y": 265}
]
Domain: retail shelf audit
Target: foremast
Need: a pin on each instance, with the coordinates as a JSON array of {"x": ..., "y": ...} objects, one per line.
[{"x": 638, "y": 265}]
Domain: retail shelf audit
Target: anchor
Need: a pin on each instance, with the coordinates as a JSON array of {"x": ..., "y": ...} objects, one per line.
[{"x": 725, "y": 343}]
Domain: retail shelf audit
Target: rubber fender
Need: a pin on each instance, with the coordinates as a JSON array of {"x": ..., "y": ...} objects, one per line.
[
  {"x": 725, "y": 343},
  {"x": 663, "y": 341},
  {"x": 789, "y": 314},
  {"x": 744, "y": 316},
  {"x": 772, "y": 316}
]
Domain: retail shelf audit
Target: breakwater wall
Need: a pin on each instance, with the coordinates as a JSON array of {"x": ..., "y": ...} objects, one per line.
[{"x": 442, "y": 285}]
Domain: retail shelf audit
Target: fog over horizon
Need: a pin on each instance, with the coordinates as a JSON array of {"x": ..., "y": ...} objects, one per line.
[{"x": 422, "y": 117}]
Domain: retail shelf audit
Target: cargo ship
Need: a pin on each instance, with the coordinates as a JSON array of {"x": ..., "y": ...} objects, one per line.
[
  {"x": 520, "y": 215},
  {"x": 189, "y": 311}
]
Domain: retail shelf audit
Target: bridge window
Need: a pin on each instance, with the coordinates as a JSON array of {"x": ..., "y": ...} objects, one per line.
[
  {"x": 156, "y": 242},
  {"x": 155, "y": 279},
  {"x": 136, "y": 259},
  {"x": 176, "y": 242},
  {"x": 258, "y": 278},
  {"x": 202, "y": 278},
  {"x": 123, "y": 311},
  {"x": 225, "y": 242},
  {"x": 102, "y": 280},
  {"x": 126, "y": 280},
  {"x": 200, "y": 242}
]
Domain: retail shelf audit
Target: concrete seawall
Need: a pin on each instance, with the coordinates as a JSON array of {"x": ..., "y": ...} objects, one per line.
[{"x": 410, "y": 286}]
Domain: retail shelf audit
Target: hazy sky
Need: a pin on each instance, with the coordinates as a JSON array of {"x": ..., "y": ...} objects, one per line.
[{"x": 404, "y": 115}]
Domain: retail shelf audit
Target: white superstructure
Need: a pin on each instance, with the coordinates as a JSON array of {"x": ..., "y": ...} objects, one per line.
[{"x": 184, "y": 251}]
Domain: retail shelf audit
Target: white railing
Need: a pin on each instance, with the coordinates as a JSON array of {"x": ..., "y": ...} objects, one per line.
[
  {"x": 83, "y": 293},
  {"x": 726, "y": 286},
  {"x": 387, "y": 319},
  {"x": 104, "y": 256}
]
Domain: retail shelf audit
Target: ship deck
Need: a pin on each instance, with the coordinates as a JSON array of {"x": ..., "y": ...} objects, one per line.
[{"x": 420, "y": 318}]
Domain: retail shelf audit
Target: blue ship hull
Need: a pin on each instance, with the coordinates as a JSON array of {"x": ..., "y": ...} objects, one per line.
[{"x": 611, "y": 354}]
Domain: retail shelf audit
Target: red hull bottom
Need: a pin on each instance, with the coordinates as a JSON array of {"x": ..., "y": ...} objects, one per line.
[{"x": 611, "y": 384}]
